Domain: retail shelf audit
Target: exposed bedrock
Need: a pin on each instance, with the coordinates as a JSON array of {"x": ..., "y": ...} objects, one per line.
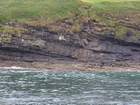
[{"x": 41, "y": 44}]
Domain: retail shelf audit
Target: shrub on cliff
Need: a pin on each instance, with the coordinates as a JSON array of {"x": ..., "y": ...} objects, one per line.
[{"x": 0, "y": 23}]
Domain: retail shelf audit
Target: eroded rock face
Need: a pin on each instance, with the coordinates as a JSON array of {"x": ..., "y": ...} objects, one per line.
[{"x": 40, "y": 44}]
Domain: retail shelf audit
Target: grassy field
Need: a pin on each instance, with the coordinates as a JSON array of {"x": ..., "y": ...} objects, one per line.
[
  {"x": 53, "y": 9},
  {"x": 29, "y": 9},
  {"x": 106, "y": 12}
]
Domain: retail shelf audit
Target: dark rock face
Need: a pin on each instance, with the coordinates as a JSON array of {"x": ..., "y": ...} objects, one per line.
[{"x": 39, "y": 44}]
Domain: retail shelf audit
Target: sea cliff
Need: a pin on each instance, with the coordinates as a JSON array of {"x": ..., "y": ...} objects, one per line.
[{"x": 75, "y": 35}]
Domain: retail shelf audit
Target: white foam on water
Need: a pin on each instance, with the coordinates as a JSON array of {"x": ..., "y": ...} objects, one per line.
[
  {"x": 13, "y": 67},
  {"x": 17, "y": 68}
]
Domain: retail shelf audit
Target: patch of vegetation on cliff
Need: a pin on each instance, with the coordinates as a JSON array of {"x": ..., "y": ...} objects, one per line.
[
  {"x": 14, "y": 31},
  {"x": 7, "y": 32},
  {"x": 0, "y": 23}
]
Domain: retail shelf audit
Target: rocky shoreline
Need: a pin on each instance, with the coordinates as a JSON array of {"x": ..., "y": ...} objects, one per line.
[
  {"x": 88, "y": 48},
  {"x": 72, "y": 66}
]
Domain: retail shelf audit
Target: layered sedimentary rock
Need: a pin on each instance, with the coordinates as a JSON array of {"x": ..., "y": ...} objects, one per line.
[{"x": 90, "y": 44}]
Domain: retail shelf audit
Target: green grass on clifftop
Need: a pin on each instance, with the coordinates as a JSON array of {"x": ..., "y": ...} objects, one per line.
[
  {"x": 106, "y": 12},
  {"x": 29, "y": 9}
]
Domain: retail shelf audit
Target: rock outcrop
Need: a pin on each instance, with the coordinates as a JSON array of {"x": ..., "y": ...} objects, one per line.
[{"x": 90, "y": 44}]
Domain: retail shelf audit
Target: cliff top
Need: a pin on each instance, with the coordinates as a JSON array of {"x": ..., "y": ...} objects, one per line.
[
  {"x": 108, "y": 13},
  {"x": 29, "y": 9}
]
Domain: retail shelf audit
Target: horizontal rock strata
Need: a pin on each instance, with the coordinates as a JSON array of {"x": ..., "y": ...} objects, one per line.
[{"x": 90, "y": 44}]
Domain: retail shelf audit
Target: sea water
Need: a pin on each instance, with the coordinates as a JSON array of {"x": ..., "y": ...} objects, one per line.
[{"x": 20, "y": 86}]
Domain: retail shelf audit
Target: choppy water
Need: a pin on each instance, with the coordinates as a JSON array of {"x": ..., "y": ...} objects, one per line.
[{"x": 69, "y": 88}]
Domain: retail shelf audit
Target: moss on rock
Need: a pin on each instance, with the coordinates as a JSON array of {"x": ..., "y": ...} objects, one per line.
[
  {"x": 5, "y": 38},
  {"x": 38, "y": 44}
]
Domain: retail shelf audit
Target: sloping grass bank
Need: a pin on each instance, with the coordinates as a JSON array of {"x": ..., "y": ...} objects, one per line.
[
  {"x": 30, "y": 9},
  {"x": 53, "y": 9},
  {"x": 42, "y": 12}
]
